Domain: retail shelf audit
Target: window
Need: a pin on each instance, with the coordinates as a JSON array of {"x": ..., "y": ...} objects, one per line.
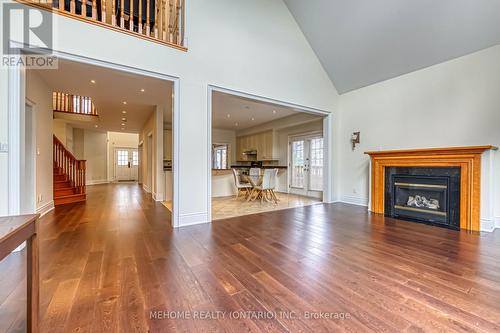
[
  {"x": 220, "y": 156},
  {"x": 135, "y": 158},
  {"x": 122, "y": 157}
]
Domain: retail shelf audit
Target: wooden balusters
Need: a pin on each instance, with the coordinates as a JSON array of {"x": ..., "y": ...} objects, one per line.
[
  {"x": 113, "y": 12},
  {"x": 62, "y": 102},
  {"x": 139, "y": 21},
  {"x": 168, "y": 8},
  {"x": 122, "y": 14},
  {"x": 83, "y": 8},
  {"x": 103, "y": 10},
  {"x": 73, "y": 168},
  {"x": 166, "y": 26},
  {"x": 131, "y": 16},
  {"x": 94, "y": 9}
]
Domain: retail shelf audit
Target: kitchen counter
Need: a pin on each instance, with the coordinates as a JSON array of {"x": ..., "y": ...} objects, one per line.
[{"x": 262, "y": 167}]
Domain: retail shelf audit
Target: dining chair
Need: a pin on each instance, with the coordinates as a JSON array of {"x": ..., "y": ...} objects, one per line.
[
  {"x": 272, "y": 187},
  {"x": 241, "y": 187},
  {"x": 266, "y": 186},
  {"x": 254, "y": 172}
]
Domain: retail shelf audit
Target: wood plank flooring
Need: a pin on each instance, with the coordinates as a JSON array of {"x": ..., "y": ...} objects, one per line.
[{"x": 114, "y": 265}]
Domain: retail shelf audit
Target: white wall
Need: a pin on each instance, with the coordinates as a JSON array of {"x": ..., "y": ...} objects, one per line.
[
  {"x": 250, "y": 46},
  {"x": 456, "y": 103},
  {"x": 227, "y": 137},
  {"x": 95, "y": 151},
  {"x": 154, "y": 125},
  {"x": 39, "y": 93},
  {"x": 119, "y": 140}
]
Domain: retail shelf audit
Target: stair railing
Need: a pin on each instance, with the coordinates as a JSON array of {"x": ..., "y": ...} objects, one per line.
[
  {"x": 62, "y": 102},
  {"x": 73, "y": 168}
]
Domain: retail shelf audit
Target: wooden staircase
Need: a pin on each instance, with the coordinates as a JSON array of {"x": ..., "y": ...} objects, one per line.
[{"x": 69, "y": 176}]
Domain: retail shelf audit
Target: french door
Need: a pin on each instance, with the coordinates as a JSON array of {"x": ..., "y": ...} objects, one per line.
[
  {"x": 126, "y": 164},
  {"x": 306, "y": 166}
]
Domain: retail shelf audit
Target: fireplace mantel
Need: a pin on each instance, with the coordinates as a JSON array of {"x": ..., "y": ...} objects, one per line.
[{"x": 468, "y": 159}]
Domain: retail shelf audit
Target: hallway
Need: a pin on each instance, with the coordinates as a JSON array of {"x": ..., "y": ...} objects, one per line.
[{"x": 105, "y": 265}]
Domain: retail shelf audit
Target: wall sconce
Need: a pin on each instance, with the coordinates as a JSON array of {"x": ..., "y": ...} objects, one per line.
[{"x": 354, "y": 139}]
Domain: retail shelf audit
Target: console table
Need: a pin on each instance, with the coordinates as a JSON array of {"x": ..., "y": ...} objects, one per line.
[{"x": 14, "y": 230}]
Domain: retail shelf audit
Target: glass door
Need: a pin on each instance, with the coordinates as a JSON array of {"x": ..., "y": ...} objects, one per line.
[
  {"x": 306, "y": 166},
  {"x": 126, "y": 164}
]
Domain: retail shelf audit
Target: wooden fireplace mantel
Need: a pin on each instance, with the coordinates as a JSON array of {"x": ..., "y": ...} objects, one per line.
[{"x": 468, "y": 159}]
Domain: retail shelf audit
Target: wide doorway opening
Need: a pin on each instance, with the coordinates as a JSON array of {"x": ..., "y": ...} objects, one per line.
[
  {"x": 264, "y": 155},
  {"x": 99, "y": 126}
]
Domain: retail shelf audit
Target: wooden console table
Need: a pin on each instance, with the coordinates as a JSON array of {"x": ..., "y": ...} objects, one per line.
[{"x": 15, "y": 230}]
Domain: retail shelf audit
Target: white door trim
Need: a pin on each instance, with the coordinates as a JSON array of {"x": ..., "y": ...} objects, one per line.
[
  {"x": 16, "y": 109},
  {"x": 17, "y": 89},
  {"x": 327, "y": 137}
]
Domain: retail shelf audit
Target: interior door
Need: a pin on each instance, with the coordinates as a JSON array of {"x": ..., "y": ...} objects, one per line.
[
  {"x": 126, "y": 164},
  {"x": 306, "y": 166}
]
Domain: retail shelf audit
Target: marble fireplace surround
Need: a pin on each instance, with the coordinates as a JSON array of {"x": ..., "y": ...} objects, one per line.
[{"x": 475, "y": 177}]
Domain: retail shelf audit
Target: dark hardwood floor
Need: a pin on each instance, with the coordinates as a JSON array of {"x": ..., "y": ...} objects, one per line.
[{"x": 112, "y": 264}]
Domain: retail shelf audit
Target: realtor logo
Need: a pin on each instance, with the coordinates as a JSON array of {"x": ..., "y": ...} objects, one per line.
[{"x": 28, "y": 36}]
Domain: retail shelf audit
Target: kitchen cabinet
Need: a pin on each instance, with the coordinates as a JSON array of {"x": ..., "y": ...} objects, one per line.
[{"x": 265, "y": 143}]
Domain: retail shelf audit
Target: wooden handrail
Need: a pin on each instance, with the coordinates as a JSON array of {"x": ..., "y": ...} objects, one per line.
[
  {"x": 68, "y": 164},
  {"x": 160, "y": 21},
  {"x": 62, "y": 102}
]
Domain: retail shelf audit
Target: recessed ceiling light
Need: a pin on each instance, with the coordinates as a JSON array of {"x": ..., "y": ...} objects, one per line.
[
  {"x": 124, "y": 119},
  {"x": 235, "y": 124},
  {"x": 142, "y": 90},
  {"x": 124, "y": 112},
  {"x": 253, "y": 118},
  {"x": 124, "y": 102},
  {"x": 123, "y": 124},
  {"x": 274, "y": 111},
  {"x": 228, "y": 115},
  {"x": 96, "y": 126},
  {"x": 92, "y": 81}
]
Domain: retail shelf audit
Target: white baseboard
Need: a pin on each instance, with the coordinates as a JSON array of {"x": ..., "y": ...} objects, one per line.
[
  {"x": 353, "y": 200},
  {"x": 497, "y": 222},
  {"x": 157, "y": 197},
  {"x": 96, "y": 182},
  {"x": 42, "y": 210},
  {"x": 192, "y": 219},
  {"x": 487, "y": 225}
]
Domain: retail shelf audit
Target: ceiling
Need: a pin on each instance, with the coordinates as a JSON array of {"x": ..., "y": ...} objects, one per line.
[
  {"x": 110, "y": 90},
  {"x": 362, "y": 42},
  {"x": 238, "y": 113}
]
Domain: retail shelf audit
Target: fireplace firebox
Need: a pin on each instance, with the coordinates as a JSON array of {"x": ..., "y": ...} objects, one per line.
[{"x": 426, "y": 195}]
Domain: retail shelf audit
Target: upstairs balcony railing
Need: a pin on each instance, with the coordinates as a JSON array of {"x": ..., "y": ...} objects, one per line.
[
  {"x": 160, "y": 21},
  {"x": 83, "y": 105}
]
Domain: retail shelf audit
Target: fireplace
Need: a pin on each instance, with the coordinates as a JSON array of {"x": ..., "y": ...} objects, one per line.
[{"x": 424, "y": 194}]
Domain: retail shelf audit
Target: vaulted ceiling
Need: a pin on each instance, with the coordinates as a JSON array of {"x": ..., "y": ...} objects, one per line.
[{"x": 362, "y": 42}]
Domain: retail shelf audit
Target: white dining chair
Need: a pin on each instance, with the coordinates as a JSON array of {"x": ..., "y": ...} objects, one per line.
[
  {"x": 254, "y": 172},
  {"x": 265, "y": 189},
  {"x": 241, "y": 187}
]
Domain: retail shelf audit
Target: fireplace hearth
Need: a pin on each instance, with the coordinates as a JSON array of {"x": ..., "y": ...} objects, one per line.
[{"x": 422, "y": 194}]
